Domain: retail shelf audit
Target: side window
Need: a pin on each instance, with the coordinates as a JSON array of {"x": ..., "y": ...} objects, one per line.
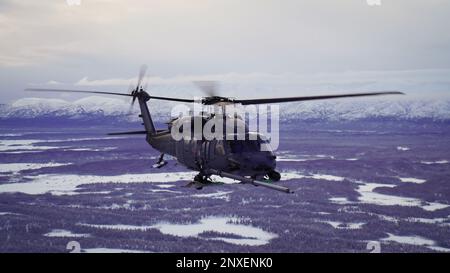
[
  {"x": 265, "y": 147},
  {"x": 220, "y": 149},
  {"x": 236, "y": 146},
  {"x": 211, "y": 149},
  {"x": 241, "y": 146}
]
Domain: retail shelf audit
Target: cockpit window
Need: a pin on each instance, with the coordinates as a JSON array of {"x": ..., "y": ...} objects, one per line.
[
  {"x": 219, "y": 148},
  {"x": 265, "y": 146},
  {"x": 245, "y": 146}
]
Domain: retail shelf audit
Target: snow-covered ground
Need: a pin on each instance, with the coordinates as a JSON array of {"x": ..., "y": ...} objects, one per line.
[
  {"x": 350, "y": 186},
  {"x": 223, "y": 226}
]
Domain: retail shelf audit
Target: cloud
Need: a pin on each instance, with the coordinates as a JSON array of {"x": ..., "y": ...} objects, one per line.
[
  {"x": 412, "y": 76},
  {"x": 52, "y": 82},
  {"x": 277, "y": 36},
  {"x": 289, "y": 46},
  {"x": 417, "y": 82},
  {"x": 46, "y": 31}
]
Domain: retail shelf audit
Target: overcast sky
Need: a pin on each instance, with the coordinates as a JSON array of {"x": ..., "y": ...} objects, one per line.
[{"x": 254, "y": 47}]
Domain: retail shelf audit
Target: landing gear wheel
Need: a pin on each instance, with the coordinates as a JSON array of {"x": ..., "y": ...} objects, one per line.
[
  {"x": 274, "y": 176},
  {"x": 201, "y": 180},
  {"x": 198, "y": 181}
]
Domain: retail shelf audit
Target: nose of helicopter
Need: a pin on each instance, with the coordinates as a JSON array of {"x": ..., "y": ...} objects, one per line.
[{"x": 263, "y": 161}]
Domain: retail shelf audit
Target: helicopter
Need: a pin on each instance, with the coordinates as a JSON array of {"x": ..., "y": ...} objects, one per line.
[{"x": 241, "y": 160}]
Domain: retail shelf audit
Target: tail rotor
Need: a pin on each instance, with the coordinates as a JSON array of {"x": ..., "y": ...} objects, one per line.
[{"x": 135, "y": 92}]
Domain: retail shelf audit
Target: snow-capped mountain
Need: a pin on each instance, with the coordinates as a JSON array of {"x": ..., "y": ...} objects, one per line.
[
  {"x": 333, "y": 110},
  {"x": 368, "y": 109},
  {"x": 36, "y": 107}
]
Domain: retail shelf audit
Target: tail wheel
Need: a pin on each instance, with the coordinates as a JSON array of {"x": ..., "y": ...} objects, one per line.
[{"x": 274, "y": 175}]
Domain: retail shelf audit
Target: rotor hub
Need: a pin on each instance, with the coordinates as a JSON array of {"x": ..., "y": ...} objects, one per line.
[{"x": 216, "y": 100}]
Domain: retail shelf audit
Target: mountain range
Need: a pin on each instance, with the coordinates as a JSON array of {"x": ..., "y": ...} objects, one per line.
[{"x": 95, "y": 107}]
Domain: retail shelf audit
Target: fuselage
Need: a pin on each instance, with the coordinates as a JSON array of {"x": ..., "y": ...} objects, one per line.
[{"x": 243, "y": 157}]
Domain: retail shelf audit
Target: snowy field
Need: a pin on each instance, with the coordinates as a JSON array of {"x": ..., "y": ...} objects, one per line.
[{"x": 353, "y": 183}]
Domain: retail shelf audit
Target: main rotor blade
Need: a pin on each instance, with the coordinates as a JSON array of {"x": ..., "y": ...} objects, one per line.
[
  {"x": 106, "y": 93},
  {"x": 76, "y": 91},
  {"x": 291, "y": 99},
  {"x": 172, "y": 99},
  {"x": 134, "y": 133},
  {"x": 128, "y": 133},
  {"x": 243, "y": 102}
]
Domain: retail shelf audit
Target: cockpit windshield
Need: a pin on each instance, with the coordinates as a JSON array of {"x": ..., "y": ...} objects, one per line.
[{"x": 245, "y": 146}]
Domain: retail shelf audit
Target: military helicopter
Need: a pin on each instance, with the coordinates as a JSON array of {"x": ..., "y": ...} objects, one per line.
[{"x": 241, "y": 160}]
